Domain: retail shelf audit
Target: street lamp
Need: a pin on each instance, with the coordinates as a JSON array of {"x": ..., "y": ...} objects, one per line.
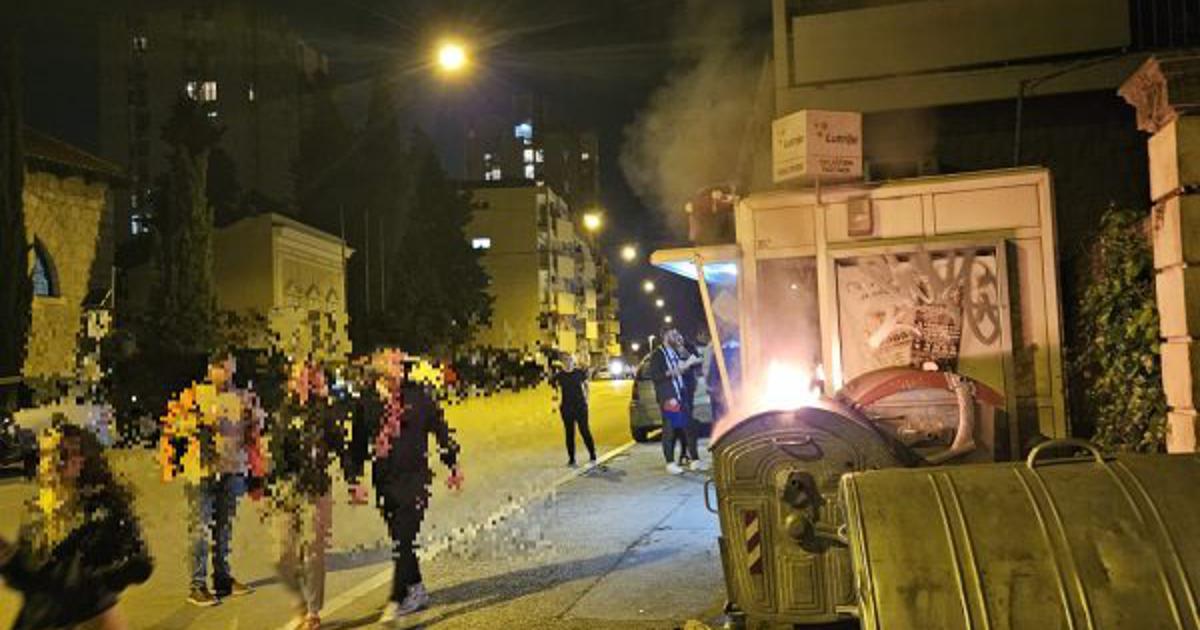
[
  {"x": 451, "y": 56},
  {"x": 635, "y": 346},
  {"x": 659, "y": 303},
  {"x": 628, "y": 253},
  {"x": 668, "y": 319},
  {"x": 648, "y": 286},
  {"x": 592, "y": 221}
]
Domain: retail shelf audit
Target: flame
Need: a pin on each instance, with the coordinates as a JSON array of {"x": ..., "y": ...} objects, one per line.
[{"x": 789, "y": 386}]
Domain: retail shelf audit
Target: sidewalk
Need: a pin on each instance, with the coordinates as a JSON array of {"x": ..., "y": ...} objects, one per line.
[{"x": 628, "y": 546}]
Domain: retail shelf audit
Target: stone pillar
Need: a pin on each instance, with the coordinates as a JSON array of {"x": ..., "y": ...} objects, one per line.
[{"x": 1166, "y": 92}]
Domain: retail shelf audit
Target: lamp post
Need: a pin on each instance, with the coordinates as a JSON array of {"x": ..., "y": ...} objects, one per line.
[
  {"x": 659, "y": 303},
  {"x": 629, "y": 253},
  {"x": 592, "y": 221},
  {"x": 648, "y": 286}
]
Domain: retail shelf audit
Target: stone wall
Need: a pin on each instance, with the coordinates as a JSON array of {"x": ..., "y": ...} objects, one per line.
[{"x": 64, "y": 215}]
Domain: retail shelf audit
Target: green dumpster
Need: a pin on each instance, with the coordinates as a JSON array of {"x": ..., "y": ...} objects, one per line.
[
  {"x": 776, "y": 476},
  {"x": 1093, "y": 542}
]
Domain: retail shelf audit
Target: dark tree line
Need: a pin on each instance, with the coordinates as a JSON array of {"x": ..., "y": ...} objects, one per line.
[
  {"x": 16, "y": 287},
  {"x": 415, "y": 282}
]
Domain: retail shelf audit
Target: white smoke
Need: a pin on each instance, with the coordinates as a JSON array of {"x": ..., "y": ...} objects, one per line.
[{"x": 692, "y": 131}]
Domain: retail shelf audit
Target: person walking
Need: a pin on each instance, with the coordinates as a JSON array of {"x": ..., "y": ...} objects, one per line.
[
  {"x": 307, "y": 435},
  {"x": 673, "y": 367},
  {"x": 211, "y": 437},
  {"x": 81, "y": 545},
  {"x": 391, "y": 426},
  {"x": 572, "y": 385}
]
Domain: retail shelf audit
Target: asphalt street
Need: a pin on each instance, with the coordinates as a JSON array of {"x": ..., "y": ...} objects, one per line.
[{"x": 527, "y": 543}]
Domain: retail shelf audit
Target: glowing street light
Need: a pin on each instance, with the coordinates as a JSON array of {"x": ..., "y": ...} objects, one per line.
[
  {"x": 592, "y": 221},
  {"x": 628, "y": 253},
  {"x": 660, "y": 303},
  {"x": 668, "y": 319},
  {"x": 451, "y": 56},
  {"x": 648, "y": 286},
  {"x": 635, "y": 346}
]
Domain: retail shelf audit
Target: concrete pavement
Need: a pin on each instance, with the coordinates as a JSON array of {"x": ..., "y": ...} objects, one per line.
[
  {"x": 625, "y": 547},
  {"x": 512, "y": 448}
]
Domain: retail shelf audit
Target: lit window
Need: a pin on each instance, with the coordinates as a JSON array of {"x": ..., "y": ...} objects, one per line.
[
  {"x": 140, "y": 43},
  {"x": 487, "y": 157},
  {"x": 524, "y": 131},
  {"x": 528, "y": 156},
  {"x": 585, "y": 156},
  {"x": 481, "y": 243},
  {"x": 530, "y": 171},
  {"x": 493, "y": 175},
  {"x": 45, "y": 282},
  {"x": 250, "y": 93},
  {"x": 192, "y": 89},
  {"x": 208, "y": 91},
  {"x": 212, "y": 113},
  {"x": 540, "y": 156}
]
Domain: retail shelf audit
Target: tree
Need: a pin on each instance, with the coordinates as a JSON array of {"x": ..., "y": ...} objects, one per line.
[
  {"x": 223, "y": 189},
  {"x": 185, "y": 297},
  {"x": 324, "y": 182},
  {"x": 16, "y": 288},
  {"x": 436, "y": 286},
  {"x": 1118, "y": 356}
]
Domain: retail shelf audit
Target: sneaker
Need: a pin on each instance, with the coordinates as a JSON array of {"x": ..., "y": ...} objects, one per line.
[
  {"x": 234, "y": 589},
  {"x": 416, "y": 599},
  {"x": 698, "y": 466},
  {"x": 674, "y": 469},
  {"x": 202, "y": 598}
]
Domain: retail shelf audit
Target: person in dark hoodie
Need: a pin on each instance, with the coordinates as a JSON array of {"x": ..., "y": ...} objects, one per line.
[
  {"x": 391, "y": 425},
  {"x": 81, "y": 545}
]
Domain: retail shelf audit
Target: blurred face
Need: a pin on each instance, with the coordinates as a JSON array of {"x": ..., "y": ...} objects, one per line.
[
  {"x": 70, "y": 460},
  {"x": 569, "y": 362},
  {"x": 220, "y": 372},
  {"x": 674, "y": 338}
]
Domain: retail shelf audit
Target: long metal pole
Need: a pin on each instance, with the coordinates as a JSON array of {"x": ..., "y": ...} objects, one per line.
[
  {"x": 718, "y": 350},
  {"x": 382, "y": 266}
]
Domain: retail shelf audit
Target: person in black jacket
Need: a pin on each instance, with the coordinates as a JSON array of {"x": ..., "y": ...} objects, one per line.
[
  {"x": 572, "y": 384},
  {"x": 391, "y": 426},
  {"x": 673, "y": 367},
  {"x": 82, "y": 545}
]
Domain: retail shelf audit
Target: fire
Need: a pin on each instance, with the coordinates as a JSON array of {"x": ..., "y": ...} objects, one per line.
[{"x": 789, "y": 386}]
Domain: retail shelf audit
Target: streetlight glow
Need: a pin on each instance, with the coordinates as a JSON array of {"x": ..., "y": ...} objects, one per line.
[
  {"x": 648, "y": 286},
  {"x": 628, "y": 253},
  {"x": 660, "y": 303},
  {"x": 668, "y": 319},
  {"x": 451, "y": 56},
  {"x": 635, "y": 346},
  {"x": 591, "y": 221}
]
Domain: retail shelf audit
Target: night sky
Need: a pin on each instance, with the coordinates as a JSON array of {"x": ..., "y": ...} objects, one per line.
[{"x": 601, "y": 61}]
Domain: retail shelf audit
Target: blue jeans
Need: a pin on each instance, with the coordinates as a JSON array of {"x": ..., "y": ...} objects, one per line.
[{"x": 213, "y": 504}]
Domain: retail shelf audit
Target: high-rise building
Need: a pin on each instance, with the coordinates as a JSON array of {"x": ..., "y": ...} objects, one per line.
[
  {"x": 527, "y": 142},
  {"x": 248, "y": 63},
  {"x": 544, "y": 276}
]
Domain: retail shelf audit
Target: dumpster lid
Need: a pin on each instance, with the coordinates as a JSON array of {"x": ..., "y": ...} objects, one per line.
[{"x": 720, "y": 261}]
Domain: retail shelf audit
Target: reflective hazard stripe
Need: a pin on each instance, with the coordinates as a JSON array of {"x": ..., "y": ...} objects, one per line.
[{"x": 753, "y": 536}]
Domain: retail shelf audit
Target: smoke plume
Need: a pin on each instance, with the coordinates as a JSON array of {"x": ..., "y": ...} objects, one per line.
[{"x": 691, "y": 132}]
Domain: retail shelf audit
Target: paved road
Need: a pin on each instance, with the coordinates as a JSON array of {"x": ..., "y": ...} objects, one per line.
[{"x": 512, "y": 449}]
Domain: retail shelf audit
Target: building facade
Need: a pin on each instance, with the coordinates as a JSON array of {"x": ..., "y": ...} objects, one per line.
[
  {"x": 291, "y": 273},
  {"x": 67, "y": 202},
  {"x": 234, "y": 54},
  {"x": 545, "y": 278},
  {"x": 984, "y": 84}
]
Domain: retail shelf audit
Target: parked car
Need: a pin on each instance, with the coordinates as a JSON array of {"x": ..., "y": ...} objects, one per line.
[{"x": 644, "y": 415}]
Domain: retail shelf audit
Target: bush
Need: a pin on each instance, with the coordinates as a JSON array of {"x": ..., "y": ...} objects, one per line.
[{"x": 1118, "y": 347}]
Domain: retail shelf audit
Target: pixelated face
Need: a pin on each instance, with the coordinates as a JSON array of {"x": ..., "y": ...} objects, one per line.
[
  {"x": 221, "y": 371},
  {"x": 569, "y": 362},
  {"x": 70, "y": 460}
]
